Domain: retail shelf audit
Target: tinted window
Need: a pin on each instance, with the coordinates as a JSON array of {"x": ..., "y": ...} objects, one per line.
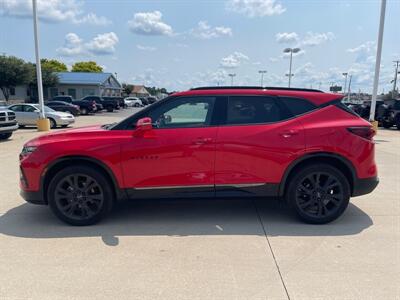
[
  {"x": 183, "y": 112},
  {"x": 297, "y": 106},
  {"x": 28, "y": 108},
  {"x": 253, "y": 110},
  {"x": 16, "y": 108}
]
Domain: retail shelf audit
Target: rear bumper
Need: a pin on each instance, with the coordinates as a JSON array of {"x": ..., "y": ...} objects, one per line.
[
  {"x": 363, "y": 186},
  {"x": 32, "y": 197}
]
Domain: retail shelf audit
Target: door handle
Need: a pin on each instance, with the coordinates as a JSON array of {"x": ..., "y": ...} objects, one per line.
[
  {"x": 289, "y": 133},
  {"x": 202, "y": 141}
]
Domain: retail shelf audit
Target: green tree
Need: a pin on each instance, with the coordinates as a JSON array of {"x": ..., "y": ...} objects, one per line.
[
  {"x": 86, "y": 66},
  {"x": 49, "y": 78},
  {"x": 127, "y": 88},
  {"x": 53, "y": 65},
  {"x": 13, "y": 71}
]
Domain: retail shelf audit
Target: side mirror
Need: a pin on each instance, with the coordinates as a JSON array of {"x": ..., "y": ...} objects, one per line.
[{"x": 144, "y": 124}]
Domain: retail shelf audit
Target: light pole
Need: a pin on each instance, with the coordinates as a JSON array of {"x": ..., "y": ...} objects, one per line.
[
  {"x": 349, "y": 90},
  {"x": 345, "y": 81},
  {"x": 262, "y": 72},
  {"x": 231, "y": 75},
  {"x": 395, "y": 77},
  {"x": 377, "y": 64},
  {"x": 291, "y": 51}
]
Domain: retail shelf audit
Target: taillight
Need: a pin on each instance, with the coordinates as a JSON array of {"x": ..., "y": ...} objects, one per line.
[{"x": 365, "y": 132}]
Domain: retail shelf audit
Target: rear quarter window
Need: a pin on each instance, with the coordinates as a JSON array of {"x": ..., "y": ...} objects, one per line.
[{"x": 297, "y": 106}]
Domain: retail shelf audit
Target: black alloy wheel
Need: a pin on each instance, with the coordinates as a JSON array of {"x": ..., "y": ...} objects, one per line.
[
  {"x": 319, "y": 193},
  {"x": 80, "y": 195}
]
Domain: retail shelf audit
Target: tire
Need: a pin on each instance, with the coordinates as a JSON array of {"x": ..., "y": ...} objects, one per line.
[
  {"x": 136, "y": 105},
  {"x": 318, "y": 193},
  {"x": 110, "y": 108},
  {"x": 398, "y": 121},
  {"x": 72, "y": 204},
  {"x": 84, "y": 111},
  {"x": 5, "y": 136},
  {"x": 64, "y": 126},
  {"x": 53, "y": 123},
  {"x": 386, "y": 125}
]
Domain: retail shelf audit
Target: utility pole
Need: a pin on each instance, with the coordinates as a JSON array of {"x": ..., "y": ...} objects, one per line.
[
  {"x": 395, "y": 77},
  {"x": 262, "y": 72},
  {"x": 377, "y": 64},
  {"x": 345, "y": 81},
  {"x": 349, "y": 90},
  {"x": 231, "y": 76},
  {"x": 43, "y": 124},
  {"x": 291, "y": 51}
]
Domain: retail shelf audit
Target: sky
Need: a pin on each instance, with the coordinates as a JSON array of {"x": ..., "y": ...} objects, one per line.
[{"x": 180, "y": 44}]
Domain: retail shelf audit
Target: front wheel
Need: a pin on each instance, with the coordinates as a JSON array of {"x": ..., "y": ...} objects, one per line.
[
  {"x": 80, "y": 195},
  {"x": 5, "y": 136},
  {"x": 318, "y": 193},
  {"x": 84, "y": 111},
  {"x": 53, "y": 123},
  {"x": 110, "y": 109}
]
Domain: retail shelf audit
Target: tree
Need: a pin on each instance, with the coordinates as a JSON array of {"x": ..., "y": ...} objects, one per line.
[
  {"x": 53, "y": 65},
  {"x": 127, "y": 88},
  {"x": 49, "y": 78},
  {"x": 13, "y": 71},
  {"x": 86, "y": 66}
]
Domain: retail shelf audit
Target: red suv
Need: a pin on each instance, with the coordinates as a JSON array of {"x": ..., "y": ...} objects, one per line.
[{"x": 302, "y": 145}]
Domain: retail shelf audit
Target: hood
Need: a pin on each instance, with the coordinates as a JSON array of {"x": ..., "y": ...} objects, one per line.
[{"x": 67, "y": 134}]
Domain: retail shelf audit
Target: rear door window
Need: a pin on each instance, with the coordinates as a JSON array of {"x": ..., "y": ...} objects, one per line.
[
  {"x": 297, "y": 106},
  {"x": 253, "y": 110}
]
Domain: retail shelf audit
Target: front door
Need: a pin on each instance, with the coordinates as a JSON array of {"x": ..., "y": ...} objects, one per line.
[
  {"x": 254, "y": 146},
  {"x": 177, "y": 156}
]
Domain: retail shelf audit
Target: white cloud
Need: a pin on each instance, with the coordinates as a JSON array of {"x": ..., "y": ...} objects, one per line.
[
  {"x": 234, "y": 60},
  {"x": 314, "y": 39},
  {"x": 287, "y": 37},
  {"x": 205, "y": 31},
  {"x": 364, "y": 51},
  {"x": 149, "y": 23},
  {"x": 102, "y": 44},
  {"x": 51, "y": 11},
  {"x": 273, "y": 59},
  {"x": 256, "y": 8},
  {"x": 146, "y": 48}
]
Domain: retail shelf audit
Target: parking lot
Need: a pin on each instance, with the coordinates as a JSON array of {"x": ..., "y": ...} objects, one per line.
[{"x": 201, "y": 249}]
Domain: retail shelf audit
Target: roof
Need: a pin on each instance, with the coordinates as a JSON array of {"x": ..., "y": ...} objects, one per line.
[
  {"x": 315, "y": 97},
  {"x": 82, "y": 77},
  {"x": 139, "y": 89}
]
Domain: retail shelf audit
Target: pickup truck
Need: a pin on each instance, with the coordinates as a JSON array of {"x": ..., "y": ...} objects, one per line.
[
  {"x": 8, "y": 123},
  {"x": 108, "y": 103},
  {"x": 85, "y": 106}
]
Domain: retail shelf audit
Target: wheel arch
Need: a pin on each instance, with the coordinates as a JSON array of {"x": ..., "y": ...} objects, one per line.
[
  {"x": 62, "y": 162},
  {"x": 335, "y": 160}
]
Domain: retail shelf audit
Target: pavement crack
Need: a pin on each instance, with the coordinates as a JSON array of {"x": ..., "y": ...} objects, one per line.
[{"x": 270, "y": 248}]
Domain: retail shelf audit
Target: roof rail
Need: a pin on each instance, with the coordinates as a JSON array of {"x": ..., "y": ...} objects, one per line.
[{"x": 254, "y": 88}]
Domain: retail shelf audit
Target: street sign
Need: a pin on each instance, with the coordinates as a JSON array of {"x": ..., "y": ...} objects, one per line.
[{"x": 335, "y": 88}]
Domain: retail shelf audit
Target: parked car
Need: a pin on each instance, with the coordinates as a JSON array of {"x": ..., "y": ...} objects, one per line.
[
  {"x": 118, "y": 100},
  {"x": 8, "y": 123},
  {"x": 301, "y": 145},
  {"x": 27, "y": 115},
  {"x": 144, "y": 100},
  {"x": 151, "y": 99},
  {"x": 64, "y": 106},
  {"x": 85, "y": 107},
  {"x": 133, "y": 102},
  {"x": 107, "y": 103},
  {"x": 389, "y": 114}
]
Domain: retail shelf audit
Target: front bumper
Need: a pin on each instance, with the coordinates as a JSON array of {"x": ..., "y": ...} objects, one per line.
[
  {"x": 65, "y": 121},
  {"x": 363, "y": 186},
  {"x": 9, "y": 128}
]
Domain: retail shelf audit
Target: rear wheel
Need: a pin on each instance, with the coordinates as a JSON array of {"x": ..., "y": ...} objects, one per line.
[
  {"x": 53, "y": 123},
  {"x": 136, "y": 105},
  {"x": 386, "y": 124},
  {"x": 5, "y": 136},
  {"x": 318, "y": 193},
  {"x": 84, "y": 111},
  {"x": 110, "y": 108},
  {"x": 80, "y": 195}
]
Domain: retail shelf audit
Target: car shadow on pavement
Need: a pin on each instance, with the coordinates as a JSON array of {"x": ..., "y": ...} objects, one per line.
[{"x": 181, "y": 218}]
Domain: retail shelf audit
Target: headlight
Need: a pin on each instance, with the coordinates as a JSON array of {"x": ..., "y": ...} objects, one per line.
[{"x": 26, "y": 150}]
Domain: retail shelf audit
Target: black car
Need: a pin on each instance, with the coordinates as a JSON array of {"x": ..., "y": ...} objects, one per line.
[
  {"x": 64, "y": 106},
  {"x": 144, "y": 101},
  {"x": 151, "y": 99},
  {"x": 389, "y": 114},
  {"x": 108, "y": 104},
  {"x": 85, "y": 107}
]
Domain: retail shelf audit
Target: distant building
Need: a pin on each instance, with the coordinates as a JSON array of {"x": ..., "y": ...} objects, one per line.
[
  {"x": 75, "y": 84},
  {"x": 139, "y": 91},
  {"x": 81, "y": 84}
]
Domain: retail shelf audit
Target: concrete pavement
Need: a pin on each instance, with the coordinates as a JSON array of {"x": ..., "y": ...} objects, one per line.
[{"x": 208, "y": 249}]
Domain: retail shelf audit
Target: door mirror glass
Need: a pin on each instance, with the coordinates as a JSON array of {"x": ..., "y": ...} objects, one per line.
[{"x": 144, "y": 124}]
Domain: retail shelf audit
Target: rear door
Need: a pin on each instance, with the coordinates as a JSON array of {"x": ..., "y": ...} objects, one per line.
[{"x": 259, "y": 139}]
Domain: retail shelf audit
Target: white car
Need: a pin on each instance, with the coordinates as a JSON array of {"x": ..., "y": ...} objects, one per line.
[
  {"x": 27, "y": 115},
  {"x": 133, "y": 102}
]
